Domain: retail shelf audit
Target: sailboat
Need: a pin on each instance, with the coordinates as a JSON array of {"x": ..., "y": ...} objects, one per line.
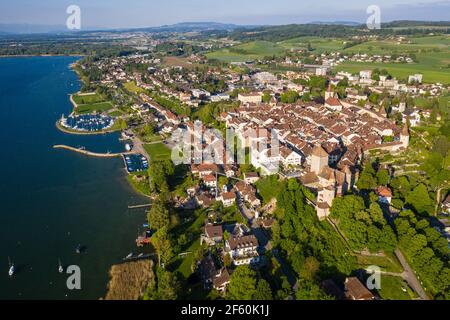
[
  {"x": 78, "y": 249},
  {"x": 60, "y": 268},
  {"x": 12, "y": 269}
]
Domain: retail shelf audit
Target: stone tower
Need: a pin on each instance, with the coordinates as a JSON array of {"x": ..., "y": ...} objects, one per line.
[
  {"x": 404, "y": 136},
  {"x": 329, "y": 93},
  {"x": 319, "y": 159}
]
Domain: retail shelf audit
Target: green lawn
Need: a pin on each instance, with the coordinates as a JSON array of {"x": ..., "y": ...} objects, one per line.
[
  {"x": 247, "y": 51},
  {"x": 158, "y": 151},
  {"x": 87, "y": 99},
  {"x": 97, "y": 107},
  {"x": 318, "y": 44},
  {"x": 392, "y": 288},
  {"x": 132, "y": 87},
  {"x": 388, "y": 263}
]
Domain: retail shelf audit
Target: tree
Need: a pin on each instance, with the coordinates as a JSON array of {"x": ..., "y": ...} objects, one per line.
[
  {"x": 242, "y": 284},
  {"x": 420, "y": 199},
  {"x": 310, "y": 268},
  {"x": 263, "y": 291},
  {"x": 158, "y": 216},
  {"x": 383, "y": 177},
  {"x": 309, "y": 290},
  {"x": 163, "y": 246},
  {"x": 367, "y": 180},
  {"x": 165, "y": 288}
]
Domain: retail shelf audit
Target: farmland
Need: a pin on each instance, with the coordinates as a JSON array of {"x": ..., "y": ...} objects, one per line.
[
  {"x": 432, "y": 55},
  {"x": 247, "y": 51}
]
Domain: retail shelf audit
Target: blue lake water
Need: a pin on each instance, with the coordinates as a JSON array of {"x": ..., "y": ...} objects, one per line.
[{"x": 52, "y": 200}]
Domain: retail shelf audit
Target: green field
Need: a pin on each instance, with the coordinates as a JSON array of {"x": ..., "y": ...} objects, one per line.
[
  {"x": 158, "y": 151},
  {"x": 392, "y": 289},
  {"x": 318, "y": 44},
  {"x": 432, "y": 55},
  {"x": 90, "y": 103},
  {"x": 97, "y": 107},
  {"x": 132, "y": 87},
  {"x": 386, "y": 263},
  {"x": 87, "y": 98},
  {"x": 247, "y": 51}
]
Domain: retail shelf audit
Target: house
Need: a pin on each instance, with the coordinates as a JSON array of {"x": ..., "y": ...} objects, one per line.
[
  {"x": 333, "y": 103},
  {"x": 255, "y": 97},
  {"x": 446, "y": 205},
  {"x": 210, "y": 181},
  {"x": 384, "y": 194},
  {"x": 227, "y": 198},
  {"x": 207, "y": 271},
  {"x": 251, "y": 177},
  {"x": 289, "y": 157},
  {"x": 204, "y": 169},
  {"x": 204, "y": 200},
  {"x": 212, "y": 234},
  {"x": 221, "y": 280},
  {"x": 365, "y": 74},
  {"x": 415, "y": 78},
  {"x": 355, "y": 290},
  {"x": 242, "y": 249}
]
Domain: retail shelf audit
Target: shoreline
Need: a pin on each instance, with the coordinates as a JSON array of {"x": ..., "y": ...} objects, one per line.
[{"x": 41, "y": 55}]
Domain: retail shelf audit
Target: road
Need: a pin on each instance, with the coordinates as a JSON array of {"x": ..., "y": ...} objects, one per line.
[{"x": 410, "y": 276}]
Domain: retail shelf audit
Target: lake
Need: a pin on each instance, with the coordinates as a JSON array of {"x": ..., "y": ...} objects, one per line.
[{"x": 52, "y": 200}]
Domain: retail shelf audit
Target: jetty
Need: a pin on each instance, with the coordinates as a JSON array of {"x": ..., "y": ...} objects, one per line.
[
  {"x": 90, "y": 153},
  {"x": 137, "y": 206}
]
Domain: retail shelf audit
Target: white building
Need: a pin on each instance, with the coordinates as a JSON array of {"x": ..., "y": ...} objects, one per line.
[{"x": 242, "y": 250}]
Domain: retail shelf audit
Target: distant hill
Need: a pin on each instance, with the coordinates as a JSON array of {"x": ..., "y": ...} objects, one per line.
[
  {"x": 30, "y": 28},
  {"x": 192, "y": 27},
  {"x": 341, "y": 23}
]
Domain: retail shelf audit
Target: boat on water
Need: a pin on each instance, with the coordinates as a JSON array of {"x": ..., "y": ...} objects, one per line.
[
  {"x": 78, "y": 249},
  {"x": 140, "y": 255},
  {"x": 60, "y": 267},
  {"x": 12, "y": 269},
  {"x": 129, "y": 255}
]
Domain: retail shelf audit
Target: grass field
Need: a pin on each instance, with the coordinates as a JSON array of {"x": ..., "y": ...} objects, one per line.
[
  {"x": 132, "y": 87},
  {"x": 247, "y": 51},
  {"x": 87, "y": 99},
  {"x": 432, "y": 55},
  {"x": 91, "y": 102},
  {"x": 318, "y": 44},
  {"x": 388, "y": 263},
  {"x": 97, "y": 107},
  {"x": 392, "y": 288},
  {"x": 158, "y": 151}
]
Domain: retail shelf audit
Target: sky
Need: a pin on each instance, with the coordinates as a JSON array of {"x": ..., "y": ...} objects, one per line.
[{"x": 148, "y": 13}]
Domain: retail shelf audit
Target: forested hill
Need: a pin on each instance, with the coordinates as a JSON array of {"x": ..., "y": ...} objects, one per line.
[{"x": 284, "y": 32}]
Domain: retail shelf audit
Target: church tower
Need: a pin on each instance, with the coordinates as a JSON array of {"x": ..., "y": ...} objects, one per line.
[
  {"x": 319, "y": 159},
  {"x": 329, "y": 93},
  {"x": 404, "y": 136}
]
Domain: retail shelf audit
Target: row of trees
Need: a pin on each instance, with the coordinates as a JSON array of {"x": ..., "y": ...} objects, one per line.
[
  {"x": 365, "y": 227},
  {"x": 427, "y": 251},
  {"x": 313, "y": 249}
]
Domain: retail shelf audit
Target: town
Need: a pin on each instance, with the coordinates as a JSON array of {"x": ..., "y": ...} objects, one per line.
[{"x": 342, "y": 161}]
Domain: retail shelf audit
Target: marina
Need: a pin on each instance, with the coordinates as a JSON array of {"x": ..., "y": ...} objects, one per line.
[
  {"x": 135, "y": 162},
  {"x": 87, "y": 122}
]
